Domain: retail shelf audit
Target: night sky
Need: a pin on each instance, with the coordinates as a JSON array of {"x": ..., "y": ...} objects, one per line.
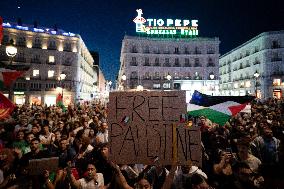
[{"x": 103, "y": 23}]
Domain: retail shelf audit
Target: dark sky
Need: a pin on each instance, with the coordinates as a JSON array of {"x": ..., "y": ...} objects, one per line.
[{"x": 103, "y": 23}]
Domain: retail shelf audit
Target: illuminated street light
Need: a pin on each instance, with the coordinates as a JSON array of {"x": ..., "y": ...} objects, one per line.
[
  {"x": 123, "y": 77},
  {"x": 211, "y": 76},
  {"x": 11, "y": 50},
  {"x": 139, "y": 88},
  {"x": 256, "y": 75},
  {"x": 169, "y": 77}
]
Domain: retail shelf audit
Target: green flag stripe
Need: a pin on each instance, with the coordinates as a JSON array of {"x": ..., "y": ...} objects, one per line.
[{"x": 215, "y": 116}]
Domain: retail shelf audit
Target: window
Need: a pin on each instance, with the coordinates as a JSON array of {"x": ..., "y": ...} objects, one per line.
[
  {"x": 146, "y": 61},
  {"x": 52, "y": 45},
  {"x": 133, "y": 61},
  {"x": 186, "y": 51},
  {"x": 51, "y": 59},
  {"x": 35, "y": 73},
  {"x": 21, "y": 41},
  {"x": 157, "y": 62},
  {"x": 177, "y": 62},
  {"x": 186, "y": 62},
  {"x": 50, "y": 73},
  {"x": 275, "y": 45},
  {"x": 167, "y": 62},
  {"x": 156, "y": 75},
  {"x": 5, "y": 39},
  {"x": 176, "y": 50},
  {"x": 35, "y": 59},
  {"x": 67, "y": 47},
  {"x": 210, "y": 50},
  {"x": 133, "y": 49},
  {"x": 37, "y": 43},
  {"x": 133, "y": 75},
  {"x": 146, "y": 50},
  {"x": 196, "y": 62},
  {"x": 276, "y": 82},
  {"x": 197, "y": 51}
]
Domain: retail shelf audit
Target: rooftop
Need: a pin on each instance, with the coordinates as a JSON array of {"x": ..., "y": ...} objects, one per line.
[
  {"x": 31, "y": 28},
  {"x": 253, "y": 39}
]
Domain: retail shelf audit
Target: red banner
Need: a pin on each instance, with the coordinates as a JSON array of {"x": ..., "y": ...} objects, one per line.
[
  {"x": 6, "y": 106},
  {"x": 9, "y": 77}
]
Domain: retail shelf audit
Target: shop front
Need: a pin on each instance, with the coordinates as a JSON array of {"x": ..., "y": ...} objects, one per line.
[
  {"x": 35, "y": 99},
  {"x": 19, "y": 97},
  {"x": 50, "y": 100},
  {"x": 277, "y": 93}
]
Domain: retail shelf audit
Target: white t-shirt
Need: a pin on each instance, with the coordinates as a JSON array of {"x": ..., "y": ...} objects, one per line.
[{"x": 92, "y": 184}]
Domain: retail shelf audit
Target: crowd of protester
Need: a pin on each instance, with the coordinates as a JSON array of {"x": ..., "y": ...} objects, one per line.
[{"x": 245, "y": 153}]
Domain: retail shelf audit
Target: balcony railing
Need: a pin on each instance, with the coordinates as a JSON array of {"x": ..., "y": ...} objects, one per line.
[
  {"x": 275, "y": 59},
  {"x": 133, "y": 64}
]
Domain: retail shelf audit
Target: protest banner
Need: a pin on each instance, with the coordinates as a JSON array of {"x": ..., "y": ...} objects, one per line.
[
  {"x": 37, "y": 166},
  {"x": 146, "y": 125}
]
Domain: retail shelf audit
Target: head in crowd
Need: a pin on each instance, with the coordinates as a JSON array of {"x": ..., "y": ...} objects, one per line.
[{"x": 34, "y": 145}]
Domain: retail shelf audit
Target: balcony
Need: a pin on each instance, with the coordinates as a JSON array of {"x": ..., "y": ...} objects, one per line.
[
  {"x": 19, "y": 59},
  {"x": 51, "y": 48},
  {"x": 210, "y": 52},
  {"x": 197, "y": 65},
  {"x": 37, "y": 45},
  {"x": 133, "y": 64},
  {"x": 156, "y": 77},
  {"x": 275, "y": 59},
  {"x": 187, "y": 65},
  {"x": 146, "y": 78},
  {"x": 50, "y": 63},
  {"x": 35, "y": 61},
  {"x": 133, "y": 77},
  {"x": 21, "y": 44},
  {"x": 177, "y": 65},
  {"x": 210, "y": 64},
  {"x": 167, "y": 65}
]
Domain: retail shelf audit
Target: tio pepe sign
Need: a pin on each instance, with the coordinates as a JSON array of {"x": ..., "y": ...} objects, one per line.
[{"x": 165, "y": 26}]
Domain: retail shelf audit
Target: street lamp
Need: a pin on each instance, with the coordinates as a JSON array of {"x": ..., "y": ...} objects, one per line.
[
  {"x": 211, "y": 76},
  {"x": 11, "y": 51},
  {"x": 169, "y": 77},
  {"x": 123, "y": 77},
  {"x": 139, "y": 88},
  {"x": 61, "y": 77},
  {"x": 256, "y": 75}
]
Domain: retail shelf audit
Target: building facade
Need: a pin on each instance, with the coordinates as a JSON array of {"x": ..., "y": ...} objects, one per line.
[
  {"x": 49, "y": 53},
  {"x": 262, "y": 55},
  {"x": 169, "y": 63}
]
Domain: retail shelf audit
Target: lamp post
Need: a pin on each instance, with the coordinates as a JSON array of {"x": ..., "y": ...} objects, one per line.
[
  {"x": 123, "y": 77},
  {"x": 11, "y": 51},
  {"x": 212, "y": 76},
  {"x": 169, "y": 77},
  {"x": 256, "y": 75},
  {"x": 61, "y": 77}
]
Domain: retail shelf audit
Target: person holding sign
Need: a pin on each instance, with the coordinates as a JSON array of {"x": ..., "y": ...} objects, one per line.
[{"x": 91, "y": 180}]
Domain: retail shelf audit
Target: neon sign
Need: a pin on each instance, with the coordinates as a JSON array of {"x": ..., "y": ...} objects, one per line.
[{"x": 165, "y": 26}]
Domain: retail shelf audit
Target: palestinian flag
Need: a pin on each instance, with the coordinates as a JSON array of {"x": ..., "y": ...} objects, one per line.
[
  {"x": 59, "y": 102},
  {"x": 7, "y": 77},
  {"x": 218, "y": 109},
  {"x": 6, "y": 106}
]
